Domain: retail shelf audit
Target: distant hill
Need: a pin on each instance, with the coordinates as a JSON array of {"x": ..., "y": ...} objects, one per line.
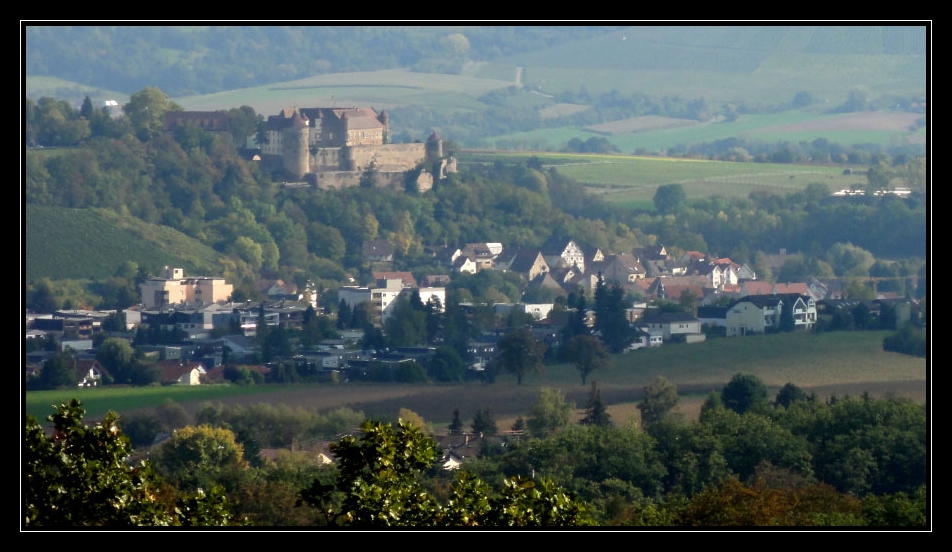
[
  {"x": 502, "y": 86},
  {"x": 62, "y": 243}
]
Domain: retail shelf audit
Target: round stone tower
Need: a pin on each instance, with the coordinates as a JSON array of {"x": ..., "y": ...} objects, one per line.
[
  {"x": 296, "y": 152},
  {"x": 434, "y": 147}
]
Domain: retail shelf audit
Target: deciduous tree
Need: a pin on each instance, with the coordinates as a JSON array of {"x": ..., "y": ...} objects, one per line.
[
  {"x": 550, "y": 412},
  {"x": 588, "y": 354},
  {"x": 659, "y": 400},
  {"x": 519, "y": 354},
  {"x": 79, "y": 477}
]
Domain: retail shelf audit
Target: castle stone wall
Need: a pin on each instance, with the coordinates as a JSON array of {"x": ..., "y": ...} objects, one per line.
[
  {"x": 406, "y": 156},
  {"x": 335, "y": 180}
]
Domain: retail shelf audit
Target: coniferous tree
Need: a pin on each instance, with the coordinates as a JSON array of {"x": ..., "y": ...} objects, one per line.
[
  {"x": 595, "y": 412},
  {"x": 456, "y": 426},
  {"x": 344, "y": 315},
  {"x": 611, "y": 320},
  {"x": 484, "y": 423}
]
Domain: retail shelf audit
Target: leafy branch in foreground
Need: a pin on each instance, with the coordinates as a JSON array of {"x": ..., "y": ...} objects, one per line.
[{"x": 379, "y": 484}]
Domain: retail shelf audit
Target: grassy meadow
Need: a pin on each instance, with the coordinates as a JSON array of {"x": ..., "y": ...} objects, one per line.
[
  {"x": 836, "y": 363},
  {"x": 631, "y": 181}
]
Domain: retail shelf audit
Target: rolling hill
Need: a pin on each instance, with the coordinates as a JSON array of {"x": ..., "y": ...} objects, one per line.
[{"x": 92, "y": 243}]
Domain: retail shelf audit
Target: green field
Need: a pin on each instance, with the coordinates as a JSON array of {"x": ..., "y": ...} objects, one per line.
[
  {"x": 841, "y": 363},
  {"x": 631, "y": 181}
]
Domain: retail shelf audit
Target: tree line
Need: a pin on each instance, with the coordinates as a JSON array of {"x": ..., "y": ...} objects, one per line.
[{"x": 749, "y": 460}]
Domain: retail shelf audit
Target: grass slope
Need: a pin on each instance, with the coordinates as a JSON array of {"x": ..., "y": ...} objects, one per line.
[{"x": 62, "y": 243}]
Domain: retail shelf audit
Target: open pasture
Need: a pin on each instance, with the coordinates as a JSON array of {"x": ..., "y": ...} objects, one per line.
[{"x": 633, "y": 180}]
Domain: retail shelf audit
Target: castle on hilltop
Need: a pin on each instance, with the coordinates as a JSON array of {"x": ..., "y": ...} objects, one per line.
[
  {"x": 331, "y": 147},
  {"x": 334, "y": 146}
]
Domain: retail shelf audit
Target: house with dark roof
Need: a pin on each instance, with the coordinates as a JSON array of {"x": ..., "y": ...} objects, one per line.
[
  {"x": 563, "y": 252},
  {"x": 377, "y": 251},
  {"x": 527, "y": 263},
  {"x": 671, "y": 325}
]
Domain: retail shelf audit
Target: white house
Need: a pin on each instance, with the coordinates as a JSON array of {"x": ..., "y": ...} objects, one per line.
[{"x": 757, "y": 314}]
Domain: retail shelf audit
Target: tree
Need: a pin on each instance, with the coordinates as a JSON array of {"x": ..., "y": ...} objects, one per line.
[
  {"x": 549, "y": 413},
  {"x": 117, "y": 357},
  {"x": 519, "y": 353},
  {"x": 595, "y": 411},
  {"x": 57, "y": 372},
  {"x": 787, "y": 322},
  {"x": 446, "y": 365},
  {"x": 669, "y": 199},
  {"x": 411, "y": 417},
  {"x": 483, "y": 422},
  {"x": 660, "y": 398},
  {"x": 789, "y": 394},
  {"x": 344, "y": 315},
  {"x": 200, "y": 458},
  {"x": 79, "y": 477},
  {"x": 744, "y": 392},
  {"x": 146, "y": 112},
  {"x": 378, "y": 484},
  {"x": 588, "y": 354},
  {"x": 406, "y": 325},
  {"x": 456, "y": 426},
  {"x": 611, "y": 320}
]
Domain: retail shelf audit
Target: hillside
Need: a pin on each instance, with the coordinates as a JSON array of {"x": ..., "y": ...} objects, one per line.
[
  {"x": 499, "y": 86},
  {"x": 62, "y": 243}
]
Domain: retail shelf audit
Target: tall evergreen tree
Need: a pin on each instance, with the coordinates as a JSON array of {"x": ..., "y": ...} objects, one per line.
[
  {"x": 456, "y": 426},
  {"x": 611, "y": 320},
  {"x": 484, "y": 423},
  {"x": 344, "y": 315},
  {"x": 595, "y": 411}
]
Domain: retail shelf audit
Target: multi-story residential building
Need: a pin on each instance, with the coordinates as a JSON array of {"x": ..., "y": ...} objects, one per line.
[
  {"x": 383, "y": 295},
  {"x": 173, "y": 288}
]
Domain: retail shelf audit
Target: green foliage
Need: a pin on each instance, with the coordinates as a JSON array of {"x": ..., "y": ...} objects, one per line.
[
  {"x": 446, "y": 365},
  {"x": 483, "y": 422},
  {"x": 669, "y": 199},
  {"x": 659, "y": 400},
  {"x": 456, "y": 426},
  {"x": 909, "y": 340},
  {"x": 743, "y": 393},
  {"x": 898, "y": 510},
  {"x": 199, "y": 457},
  {"x": 595, "y": 411},
  {"x": 57, "y": 372},
  {"x": 519, "y": 354},
  {"x": 549, "y": 413},
  {"x": 611, "y": 319},
  {"x": 587, "y": 353},
  {"x": 789, "y": 394},
  {"x": 378, "y": 484},
  {"x": 78, "y": 477}
]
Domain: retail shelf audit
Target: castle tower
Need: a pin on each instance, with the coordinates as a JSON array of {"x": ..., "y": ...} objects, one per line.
[
  {"x": 434, "y": 147},
  {"x": 384, "y": 119},
  {"x": 296, "y": 152}
]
